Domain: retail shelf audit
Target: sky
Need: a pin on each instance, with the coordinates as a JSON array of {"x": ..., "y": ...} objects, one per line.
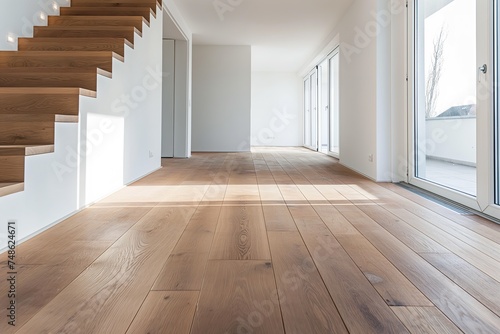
[{"x": 458, "y": 81}]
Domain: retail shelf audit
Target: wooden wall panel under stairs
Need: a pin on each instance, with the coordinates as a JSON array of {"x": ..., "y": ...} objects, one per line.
[{"x": 41, "y": 84}]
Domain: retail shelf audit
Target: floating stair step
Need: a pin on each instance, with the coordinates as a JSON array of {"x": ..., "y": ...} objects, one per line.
[
  {"x": 51, "y": 100},
  {"x": 94, "y": 31},
  {"x": 12, "y": 168},
  {"x": 11, "y": 188},
  {"x": 145, "y": 12},
  {"x": 116, "y": 45},
  {"x": 98, "y": 59},
  {"x": 51, "y": 77},
  {"x": 116, "y": 3},
  {"x": 78, "y": 20},
  {"x": 27, "y": 129},
  {"x": 25, "y": 150}
]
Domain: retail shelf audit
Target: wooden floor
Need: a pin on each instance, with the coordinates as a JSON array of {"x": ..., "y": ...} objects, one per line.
[{"x": 274, "y": 241}]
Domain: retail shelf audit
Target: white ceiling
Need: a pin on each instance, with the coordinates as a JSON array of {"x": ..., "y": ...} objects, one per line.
[{"x": 284, "y": 34}]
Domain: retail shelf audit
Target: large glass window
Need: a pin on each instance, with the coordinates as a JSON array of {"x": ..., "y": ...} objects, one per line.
[{"x": 446, "y": 101}]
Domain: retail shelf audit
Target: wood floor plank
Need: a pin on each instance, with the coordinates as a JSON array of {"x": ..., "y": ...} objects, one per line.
[
  {"x": 301, "y": 288},
  {"x": 474, "y": 281},
  {"x": 472, "y": 255},
  {"x": 331, "y": 194},
  {"x": 106, "y": 296},
  {"x": 312, "y": 194},
  {"x": 270, "y": 193},
  {"x": 166, "y": 312},
  {"x": 242, "y": 194},
  {"x": 238, "y": 297},
  {"x": 291, "y": 194},
  {"x": 39, "y": 284},
  {"x": 240, "y": 235},
  {"x": 484, "y": 244},
  {"x": 410, "y": 236},
  {"x": 395, "y": 288},
  {"x": 73, "y": 240},
  {"x": 487, "y": 229},
  {"x": 465, "y": 311},
  {"x": 361, "y": 307},
  {"x": 215, "y": 194},
  {"x": 334, "y": 220},
  {"x": 185, "y": 267},
  {"x": 425, "y": 320},
  {"x": 278, "y": 218}
]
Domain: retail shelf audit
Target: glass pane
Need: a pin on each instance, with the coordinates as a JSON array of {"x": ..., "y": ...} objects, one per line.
[
  {"x": 334, "y": 104},
  {"x": 324, "y": 107},
  {"x": 497, "y": 103},
  {"x": 446, "y": 93},
  {"x": 307, "y": 112},
  {"x": 314, "y": 110}
]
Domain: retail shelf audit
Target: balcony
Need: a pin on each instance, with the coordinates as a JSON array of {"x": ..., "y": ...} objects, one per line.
[{"x": 450, "y": 151}]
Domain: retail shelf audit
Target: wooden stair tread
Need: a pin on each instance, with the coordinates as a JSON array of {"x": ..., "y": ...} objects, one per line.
[
  {"x": 146, "y": 12},
  {"x": 98, "y": 20},
  {"x": 39, "y": 118},
  {"x": 35, "y": 79},
  {"x": 47, "y": 90},
  {"x": 115, "y": 44},
  {"x": 60, "y": 54},
  {"x": 116, "y": 2},
  {"x": 58, "y": 59},
  {"x": 36, "y": 71},
  {"x": 127, "y": 32},
  {"x": 153, "y": 4},
  {"x": 25, "y": 150},
  {"x": 11, "y": 188}
]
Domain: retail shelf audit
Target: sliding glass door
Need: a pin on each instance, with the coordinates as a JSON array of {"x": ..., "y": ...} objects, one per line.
[
  {"x": 452, "y": 102},
  {"x": 334, "y": 104},
  {"x": 311, "y": 110},
  {"x": 307, "y": 111},
  {"x": 321, "y": 107},
  {"x": 324, "y": 107}
]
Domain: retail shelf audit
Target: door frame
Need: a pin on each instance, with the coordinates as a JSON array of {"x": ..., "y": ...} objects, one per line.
[{"x": 485, "y": 198}]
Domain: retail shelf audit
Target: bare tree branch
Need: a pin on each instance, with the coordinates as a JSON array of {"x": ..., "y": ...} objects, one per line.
[{"x": 432, "y": 87}]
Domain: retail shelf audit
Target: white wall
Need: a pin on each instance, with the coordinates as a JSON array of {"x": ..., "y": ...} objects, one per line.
[
  {"x": 221, "y": 98},
  {"x": 372, "y": 86},
  {"x": 276, "y": 109},
  {"x": 116, "y": 141}
]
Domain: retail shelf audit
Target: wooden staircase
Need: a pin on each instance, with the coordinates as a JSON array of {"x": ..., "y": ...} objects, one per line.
[{"x": 41, "y": 83}]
